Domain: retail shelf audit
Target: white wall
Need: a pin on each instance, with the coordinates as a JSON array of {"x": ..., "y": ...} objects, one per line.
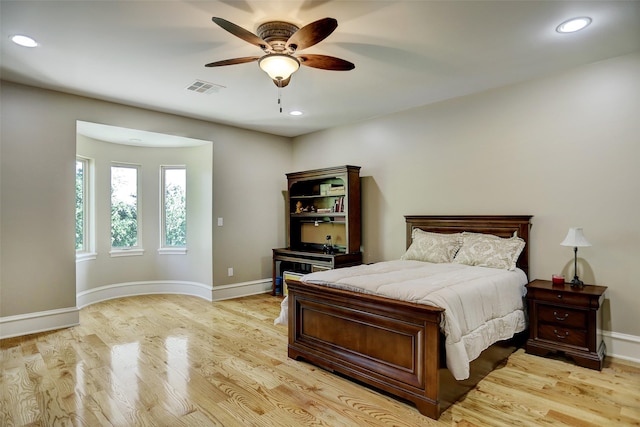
[
  {"x": 37, "y": 155},
  {"x": 564, "y": 149},
  {"x": 195, "y": 264}
]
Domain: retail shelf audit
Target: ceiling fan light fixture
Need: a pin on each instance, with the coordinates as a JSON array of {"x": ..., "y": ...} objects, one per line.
[{"x": 279, "y": 66}]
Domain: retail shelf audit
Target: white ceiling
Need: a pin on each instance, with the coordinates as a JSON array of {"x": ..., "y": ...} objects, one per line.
[
  {"x": 407, "y": 53},
  {"x": 141, "y": 138}
]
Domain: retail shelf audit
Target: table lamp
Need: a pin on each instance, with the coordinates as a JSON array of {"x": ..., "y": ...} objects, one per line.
[{"x": 575, "y": 238}]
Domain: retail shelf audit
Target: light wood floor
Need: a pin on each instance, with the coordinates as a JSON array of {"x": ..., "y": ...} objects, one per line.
[{"x": 170, "y": 360}]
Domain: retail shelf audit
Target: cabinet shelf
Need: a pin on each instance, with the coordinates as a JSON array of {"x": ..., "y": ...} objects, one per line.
[
  {"x": 318, "y": 196},
  {"x": 318, "y": 215}
]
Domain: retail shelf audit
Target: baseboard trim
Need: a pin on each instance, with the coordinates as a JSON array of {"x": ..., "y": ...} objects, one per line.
[
  {"x": 622, "y": 346},
  {"x": 237, "y": 290},
  {"x": 42, "y": 321},
  {"x": 129, "y": 289},
  {"x": 216, "y": 293}
]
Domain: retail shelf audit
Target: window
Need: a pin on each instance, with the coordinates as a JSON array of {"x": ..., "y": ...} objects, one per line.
[
  {"x": 125, "y": 209},
  {"x": 85, "y": 249},
  {"x": 174, "y": 206}
]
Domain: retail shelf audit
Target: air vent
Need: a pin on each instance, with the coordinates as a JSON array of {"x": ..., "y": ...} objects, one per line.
[{"x": 200, "y": 86}]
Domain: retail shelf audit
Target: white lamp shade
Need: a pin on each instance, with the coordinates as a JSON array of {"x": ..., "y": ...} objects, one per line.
[
  {"x": 279, "y": 66},
  {"x": 575, "y": 238}
]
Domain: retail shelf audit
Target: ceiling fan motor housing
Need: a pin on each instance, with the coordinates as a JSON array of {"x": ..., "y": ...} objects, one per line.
[{"x": 276, "y": 33}]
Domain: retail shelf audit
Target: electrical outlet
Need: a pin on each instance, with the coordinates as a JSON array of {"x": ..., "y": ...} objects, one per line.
[
  {"x": 230, "y": 271},
  {"x": 220, "y": 222}
]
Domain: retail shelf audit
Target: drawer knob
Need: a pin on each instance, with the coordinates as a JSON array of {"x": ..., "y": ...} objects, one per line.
[
  {"x": 558, "y": 317},
  {"x": 566, "y": 334},
  {"x": 560, "y": 296}
]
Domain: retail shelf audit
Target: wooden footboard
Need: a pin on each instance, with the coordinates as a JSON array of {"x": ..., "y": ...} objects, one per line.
[
  {"x": 391, "y": 345},
  {"x": 394, "y": 346}
]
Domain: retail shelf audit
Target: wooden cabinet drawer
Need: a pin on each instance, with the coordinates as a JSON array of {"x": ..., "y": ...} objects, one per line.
[
  {"x": 559, "y": 334},
  {"x": 560, "y": 297},
  {"x": 562, "y": 316}
]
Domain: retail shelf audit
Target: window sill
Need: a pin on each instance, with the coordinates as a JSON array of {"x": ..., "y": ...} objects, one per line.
[
  {"x": 172, "y": 251},
  {"x": 86, "y": 256},
  {"x": 114, "y": 253}
]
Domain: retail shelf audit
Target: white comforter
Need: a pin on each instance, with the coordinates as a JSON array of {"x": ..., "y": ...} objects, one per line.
[{"x": 482, "y": 305}]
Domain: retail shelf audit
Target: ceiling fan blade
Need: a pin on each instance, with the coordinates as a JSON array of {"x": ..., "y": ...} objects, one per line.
[
  {"x": 233, "y": 61},
  {"x": 325, "y": 62},
  {"x": 245, "y": 35},
  {"x": 311, "y": 34},
  {"x": 282, "y": 83}
]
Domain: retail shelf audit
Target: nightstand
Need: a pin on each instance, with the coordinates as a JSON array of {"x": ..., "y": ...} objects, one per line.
[{"x": 566, "y": 319}]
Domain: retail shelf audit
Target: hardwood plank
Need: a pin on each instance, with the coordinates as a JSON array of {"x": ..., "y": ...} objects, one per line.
[
  {"x": 181, "y": 361},
  {"x": 22, "y": 399}
]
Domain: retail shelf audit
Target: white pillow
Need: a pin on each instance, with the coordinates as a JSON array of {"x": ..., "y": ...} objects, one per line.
[
  {"x": 432, "y": 247},
  {"x": 487, "y": 250}
]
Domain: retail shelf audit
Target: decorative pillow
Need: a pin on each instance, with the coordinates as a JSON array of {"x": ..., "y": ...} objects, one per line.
[
  {"x": 432, "y": 247},
  {"x": 487, "y": 250}
]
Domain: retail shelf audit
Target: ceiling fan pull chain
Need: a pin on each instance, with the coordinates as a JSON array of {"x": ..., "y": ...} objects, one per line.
[{"x": 280, "y": 95}]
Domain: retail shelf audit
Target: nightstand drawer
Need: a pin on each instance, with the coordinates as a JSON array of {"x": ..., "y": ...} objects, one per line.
[
  {"x": 560, "y": 297},
  {"x": 568, "y": 336},
  {"x": 562, "y": 316}
]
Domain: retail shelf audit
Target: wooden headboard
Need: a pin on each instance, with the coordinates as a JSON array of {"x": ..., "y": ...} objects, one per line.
[{"x": 498, "y": 225}]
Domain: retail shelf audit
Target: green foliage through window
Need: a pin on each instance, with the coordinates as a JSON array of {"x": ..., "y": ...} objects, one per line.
[
  {"x": 80, "y": 204},
  {"x": 124, "y": 206},
  {"x": 175, "y": 208}
]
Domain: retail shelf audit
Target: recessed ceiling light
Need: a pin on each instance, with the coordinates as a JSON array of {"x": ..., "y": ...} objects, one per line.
[
  {"x": 295, "y": 113},
  {"x": 574, "y": 24},
  {"x": 24, "y": 41}
]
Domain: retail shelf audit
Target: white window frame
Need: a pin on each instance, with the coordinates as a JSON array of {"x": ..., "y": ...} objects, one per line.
[
  {"x": 87, "y": 252},
  {"x": 164, "y": 248},
  {"x": 136, "y": 250}
]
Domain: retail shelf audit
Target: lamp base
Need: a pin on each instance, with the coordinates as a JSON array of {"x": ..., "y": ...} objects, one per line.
[{"x": 577, "y": 283}]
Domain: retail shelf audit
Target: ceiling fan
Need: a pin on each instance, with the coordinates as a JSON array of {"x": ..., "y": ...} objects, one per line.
[{"x": 281, "y": 41}]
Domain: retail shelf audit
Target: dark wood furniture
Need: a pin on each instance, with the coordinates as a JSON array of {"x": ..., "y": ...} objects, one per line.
[
  {"x": 330, "y": 202},
  {"x": 395, "y": 346},
  {"x": 566, "y": 319}
]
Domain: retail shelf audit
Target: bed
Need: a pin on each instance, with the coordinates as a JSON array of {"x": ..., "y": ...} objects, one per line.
[{"x": 392, "y": 345}]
